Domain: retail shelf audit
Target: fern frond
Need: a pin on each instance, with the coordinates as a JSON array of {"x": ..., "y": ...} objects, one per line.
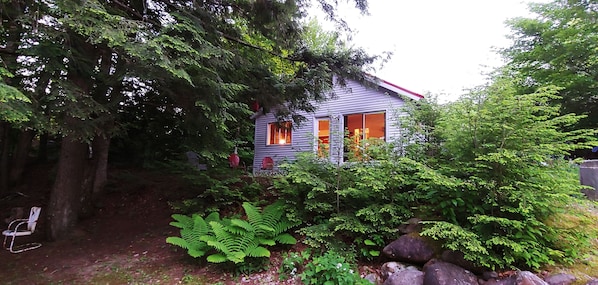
[
  {"x": 254, "y": 217},
  {"x": 258, "y": 252},
  {"x": 178, "y": 242},
  {"x": 285, "y": 239},
  {"x": 181, "y": 221},
  {"x": 217, "y": 258},
  {"x": 267, "y": 241},
  {"x": 242, "y": 224}
]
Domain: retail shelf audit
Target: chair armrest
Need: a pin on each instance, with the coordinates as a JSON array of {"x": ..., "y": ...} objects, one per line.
[{"x": 17, "y": 221}]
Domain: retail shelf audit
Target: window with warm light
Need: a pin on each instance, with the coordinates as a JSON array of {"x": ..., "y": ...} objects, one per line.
[
  {"x": 362, "y": 127},
  {"x": 279, "y": 133},
  {"x": 323, "y": 137}
]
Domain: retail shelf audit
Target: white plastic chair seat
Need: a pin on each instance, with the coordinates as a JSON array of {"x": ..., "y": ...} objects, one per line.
[
  {"x": 15, "y": 233},
  {"x": 22, "y": 227}
]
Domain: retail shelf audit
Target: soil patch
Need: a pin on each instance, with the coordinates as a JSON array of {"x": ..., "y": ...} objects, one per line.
[{"x": 123, "y": 243}]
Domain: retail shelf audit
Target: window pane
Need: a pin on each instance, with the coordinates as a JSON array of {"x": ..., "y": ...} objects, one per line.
[
  {"x": 323, "y": 137},
  {"x": 279, "y": 133},
  {"x": 375, "y": 126},
  {"x": 354, "y": 125}
]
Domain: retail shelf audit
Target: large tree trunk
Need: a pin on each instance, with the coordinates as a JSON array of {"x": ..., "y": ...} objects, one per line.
[
  {"x": 95, "y": 176},
  {"x": 4, "y": 156},
  {"x": 101, "y": 147},
  {"x": 64, "y": 205},
  {"x": 20, "y": 156}
]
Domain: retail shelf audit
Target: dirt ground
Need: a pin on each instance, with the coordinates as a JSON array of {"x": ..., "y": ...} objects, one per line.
[{"x": 123, "y": 243}]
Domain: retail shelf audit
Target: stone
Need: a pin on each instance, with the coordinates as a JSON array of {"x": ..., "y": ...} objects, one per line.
[
  {"x": 506, "y": 281},
  {"x": 411, "y": 248},
  {"x": 373, "y": 278},
  {"x": 437, "y": 272},
  {"x": 592, "y": 282},
  {"x": 528, "y": 278},
  {"x": 457, "y": 258},
  {"x": 408, "y": 276},
  {"x": 389, "y": 268},
  {"x": 560, "y": 279}
]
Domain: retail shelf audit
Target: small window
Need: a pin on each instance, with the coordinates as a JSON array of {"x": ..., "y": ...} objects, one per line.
[
  {"x": 279, "y": 133},
  {"x": 323, "y": 137}
]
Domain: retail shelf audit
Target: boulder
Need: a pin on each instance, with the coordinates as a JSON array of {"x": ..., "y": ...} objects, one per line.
[
  {"x": 411, "y": 248},
  {"x": 408, "y": 276},
  {"x": 592, "y": 282},
  {"x": 560, "y": 279},
  {"x": 438, "y": 272},
  {"x": 528, "y": 278},
  {"x": 457, "y": 258},
  {"x": 389, "y": 268},
  {"x": 506, "y": 281}
]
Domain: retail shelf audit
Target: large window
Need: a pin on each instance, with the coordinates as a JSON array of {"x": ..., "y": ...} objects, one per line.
[
  {"x": 362, "y": 127},
  {"x": 279, "y": 133}
]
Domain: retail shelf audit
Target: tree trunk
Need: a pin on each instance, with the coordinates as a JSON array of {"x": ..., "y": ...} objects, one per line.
[
  {"x": 4, "y": 156},
  {"x": 64, "y": 205},
  {"x": 42, "y": 153},
  {"x": 20, "y": 156},
  {"x": 95, "y": 176},
  {"x": 101, "y": 147}
]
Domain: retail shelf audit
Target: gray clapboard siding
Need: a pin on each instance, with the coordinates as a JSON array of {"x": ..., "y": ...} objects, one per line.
[{"x": 352, "y": 99}]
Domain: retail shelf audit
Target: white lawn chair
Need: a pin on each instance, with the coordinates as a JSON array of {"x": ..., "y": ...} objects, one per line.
[{"x": 22, "y": 227}]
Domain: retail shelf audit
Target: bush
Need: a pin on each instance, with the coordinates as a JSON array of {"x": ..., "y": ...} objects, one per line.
[{"x": 331, "y": 269}]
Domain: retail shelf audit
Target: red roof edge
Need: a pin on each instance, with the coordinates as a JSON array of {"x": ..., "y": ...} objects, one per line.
[
  {"x": 393, "y": 87},
  {"x": 401, "y": 88}
]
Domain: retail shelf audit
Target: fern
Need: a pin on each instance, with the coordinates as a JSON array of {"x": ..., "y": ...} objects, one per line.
[
  {"x": 192, "y": 229},
  {"x": 233, "y": 239}
]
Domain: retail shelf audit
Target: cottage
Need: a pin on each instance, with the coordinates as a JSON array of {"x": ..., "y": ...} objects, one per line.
[{"x": 356, "y": 111}]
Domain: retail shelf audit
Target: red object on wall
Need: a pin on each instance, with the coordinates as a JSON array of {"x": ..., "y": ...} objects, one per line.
[
  {"x": 233, "y": 160},
  {"x": 255, "y": 106},
  {"x": 267, "y": 163}
]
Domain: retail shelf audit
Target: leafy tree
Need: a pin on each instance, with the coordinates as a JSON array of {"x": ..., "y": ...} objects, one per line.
[
  {"x": 161, "y": 76},
  {"x": 558, "y": 47},
  {"x": 506, "y": 151}
]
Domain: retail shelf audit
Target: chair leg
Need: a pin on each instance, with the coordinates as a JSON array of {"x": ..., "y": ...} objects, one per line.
[{"x": 19, "y": 248}]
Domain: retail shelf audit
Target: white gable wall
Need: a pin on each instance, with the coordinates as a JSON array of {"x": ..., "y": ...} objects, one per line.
[{"x": 355, "y": 99}]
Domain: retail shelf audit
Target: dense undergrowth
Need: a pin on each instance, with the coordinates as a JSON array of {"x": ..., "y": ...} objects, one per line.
[{"x": 486, "y": 174}]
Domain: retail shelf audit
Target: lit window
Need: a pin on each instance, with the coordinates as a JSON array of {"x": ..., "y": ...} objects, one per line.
[
  {"x": 361, "y": 128},
  {"x": 323, "y": 137},
  {"x": 279, "y": 133}
]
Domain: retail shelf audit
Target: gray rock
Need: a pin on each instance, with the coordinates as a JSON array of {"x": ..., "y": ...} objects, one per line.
[
  {"x": 592, "y": 282},
  {"x": 390, "y": 268},
  {"x": 528, "y": 278},
  {"x": 409, "y": 276},
  {"x": 373, "y": 278},
  {"x": 506, "y": 281},
  {"x": 487, "y": 275},
  {"x": 560, "y": 279},
  {"x": 410, "y": 248},
  {"x": 437, "y": 272},
  {"x": 457, "y": 258}
]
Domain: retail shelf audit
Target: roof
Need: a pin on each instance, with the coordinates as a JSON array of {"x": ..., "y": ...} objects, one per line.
[{"x": 395, "y": 88}]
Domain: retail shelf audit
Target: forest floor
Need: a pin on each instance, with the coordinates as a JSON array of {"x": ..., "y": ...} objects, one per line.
[{"x": 123, "y": 243}]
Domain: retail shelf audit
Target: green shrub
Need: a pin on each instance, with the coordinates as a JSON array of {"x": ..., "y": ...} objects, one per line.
[
  {"x": 339, "y": 204},
  {"x": 331, "y": 269}
]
